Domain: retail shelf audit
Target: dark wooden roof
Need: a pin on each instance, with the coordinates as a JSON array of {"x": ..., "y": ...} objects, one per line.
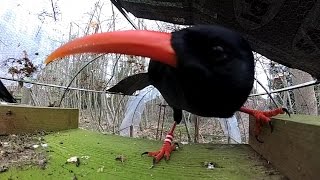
[{"x": 285, "y": 31}]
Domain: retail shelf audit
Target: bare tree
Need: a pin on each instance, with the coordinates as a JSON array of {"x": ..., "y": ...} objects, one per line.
[{"x": 305, "y": 98}]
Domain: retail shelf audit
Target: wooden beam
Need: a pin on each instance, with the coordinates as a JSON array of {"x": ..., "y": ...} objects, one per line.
[
  {"x": 196, "y": 128},
  {"x": 16, "y": 119},
  {"x": 293, "y": 147}
]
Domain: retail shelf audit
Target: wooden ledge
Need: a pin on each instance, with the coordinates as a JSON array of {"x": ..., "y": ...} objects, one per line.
[
  {"x": 293, "y": 147},
  {"x": 17, "y": 119}
]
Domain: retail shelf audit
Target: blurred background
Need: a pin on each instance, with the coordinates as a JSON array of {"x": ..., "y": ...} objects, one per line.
[{"x": 30, "y": 30}]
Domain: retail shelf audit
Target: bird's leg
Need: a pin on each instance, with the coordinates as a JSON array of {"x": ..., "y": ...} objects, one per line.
[
  {"x": 262, "y": 117},
  {"x": 166, "y": 148}
]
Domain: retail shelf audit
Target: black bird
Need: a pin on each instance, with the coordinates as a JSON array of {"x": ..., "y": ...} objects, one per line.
[
  {"x": 5, "y": 95},
  {"x": 206, "y": 70}
]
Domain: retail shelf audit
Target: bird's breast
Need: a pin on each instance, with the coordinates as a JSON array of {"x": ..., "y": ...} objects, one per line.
[
  {"x": 216, "y": 93},
  {"x": 203, "y": 92}
]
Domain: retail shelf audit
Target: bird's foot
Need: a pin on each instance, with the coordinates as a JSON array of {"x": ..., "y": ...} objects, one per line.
[
  {"x": 165, "y": 150},
  {"x": 263, "y": 117}
]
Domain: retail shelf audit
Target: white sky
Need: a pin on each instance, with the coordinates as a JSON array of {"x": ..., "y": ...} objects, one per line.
[{"x": 28, "y": 23}]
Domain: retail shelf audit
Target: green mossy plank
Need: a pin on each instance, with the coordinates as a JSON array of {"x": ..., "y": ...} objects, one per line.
[
  {"x": 234, "y": 161},
  {"x": 300, "y": 118}
]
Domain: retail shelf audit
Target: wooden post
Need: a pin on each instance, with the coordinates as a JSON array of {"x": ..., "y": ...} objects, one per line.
[
  {"x": 131, "y": 131},
  {"x": 187, "y": 129},
  {"x": 26, "y": 95},
  {"x": 16, "y": 119},
  {"x": 158, "y": 126},
  {"x": 196, "y": 128},
  {"x": 293, "y": 147},
  {"x": 164, "y": 113}
]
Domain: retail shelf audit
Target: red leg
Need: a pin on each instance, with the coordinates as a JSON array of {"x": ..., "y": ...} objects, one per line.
[
  {"x": 166, "y": 148},
  {"x": 263, "y": 117}
]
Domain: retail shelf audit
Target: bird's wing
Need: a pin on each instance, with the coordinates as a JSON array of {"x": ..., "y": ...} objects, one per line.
[
  {"x": 5, "y": 95},
  {"x": 131, "y": 84}
]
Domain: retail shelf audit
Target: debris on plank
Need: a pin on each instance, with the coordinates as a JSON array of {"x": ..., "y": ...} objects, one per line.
[
  {"x": 85, "y": 157},
  {"x": 35, "y": 146},
  {"x": 120, "y": 158},
  {"x": 101, "y": 169},
  {"x": 210, "y": 165},
  {"x": 75, "y": 160},
  {"x": 44, "y": 145}
]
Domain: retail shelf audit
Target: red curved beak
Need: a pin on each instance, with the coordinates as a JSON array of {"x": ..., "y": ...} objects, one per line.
[{"x": 152, "y": 44}]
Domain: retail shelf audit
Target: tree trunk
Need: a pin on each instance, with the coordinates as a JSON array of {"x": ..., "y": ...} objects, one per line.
[
  {"x": 195, "y": 119},
  {"x": 186, "y": 121},
  {"x": 25, "y": 95},
  {"x": 305, "y": 98}
]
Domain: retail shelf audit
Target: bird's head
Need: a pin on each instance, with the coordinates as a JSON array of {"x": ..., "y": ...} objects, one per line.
[{"x": 213, "y": 54}]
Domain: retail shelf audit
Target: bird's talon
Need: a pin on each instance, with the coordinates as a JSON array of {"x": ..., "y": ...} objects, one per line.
[
  {"x": 177, "y": 146},
  {"x": 166, "y": 158},
  {"x": 164, "y": 152},
  {"x": 258, "y": 139},
  {"x": 271, "y": 126},
  {"x": 154, "y": 162},
  {"x": 144, "y": 153},
  {"x": 286, "y": 111},
  {"x": 262, "y": 117}
]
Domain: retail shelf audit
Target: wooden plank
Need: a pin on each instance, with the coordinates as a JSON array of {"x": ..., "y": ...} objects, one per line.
[
  {"x": 16, "y": 119},
  {"x": 293, "y": 147},
  {"x": 190, "y": 162}
]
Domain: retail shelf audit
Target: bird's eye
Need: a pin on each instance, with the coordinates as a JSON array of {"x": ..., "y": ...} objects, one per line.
[
  {"x": 218, "y": 53},
  {"x": 217, "y": 48}
]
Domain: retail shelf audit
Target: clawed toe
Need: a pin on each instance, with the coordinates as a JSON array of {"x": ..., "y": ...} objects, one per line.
[
  {"x": 144, "y": 153},
  {"x": 262, "y": 117},
  {"x": 286, "y": 111},
  {"x": 271, "y": 126},
  {"x": 164, "y": 152}
]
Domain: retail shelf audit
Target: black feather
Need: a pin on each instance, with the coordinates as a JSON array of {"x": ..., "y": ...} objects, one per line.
[
  {"x": 5, "y": 95},
  {"x": 131, "y": 84}
]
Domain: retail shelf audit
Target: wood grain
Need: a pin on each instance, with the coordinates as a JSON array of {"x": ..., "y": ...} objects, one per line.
[
  {"x": 17, "y": 119},
  {"x": 293, "y": 147}
]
